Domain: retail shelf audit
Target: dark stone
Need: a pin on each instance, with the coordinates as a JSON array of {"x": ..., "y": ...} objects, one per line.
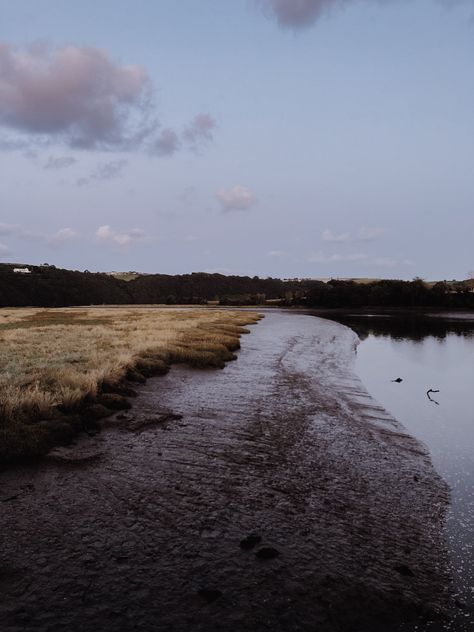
[
  {"x": 209, "y": 594},
  {"x": 250, "y": 541},
  {"x": 267, "y": 553},
  {"x": 404, "y": 570}
]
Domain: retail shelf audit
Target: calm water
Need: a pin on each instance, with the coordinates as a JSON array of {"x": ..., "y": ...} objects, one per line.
[{"x": 431, "y": 353}]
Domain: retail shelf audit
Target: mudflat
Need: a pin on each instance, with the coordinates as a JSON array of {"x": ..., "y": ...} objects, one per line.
[{"x": 274, "y": 494}]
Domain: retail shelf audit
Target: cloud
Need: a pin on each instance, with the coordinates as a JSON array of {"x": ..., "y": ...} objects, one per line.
[
  {"x": 76, "y": 95},
  {"x": 378, "y": 262},
  {"x": 276, "y": 253},
  {"x": 370, "y": 234},
  {"x": 15, "y": 230},
  {"x": 167, "y": 143},
  {"x": 61, "y": 162},
  {"x": 200, "y": 130},
  {"x": 297, "y": 14},
  {"x": 123, "y": 239},
  {"x": 328, "y": 235},
  {"x": 105, "y": 171},
  {"x": 62, "y": 236},
  {"x": 321, "y": 257},
  {"x": 301, "y": 14},
  {"x": 390, "y": 262},
  {"x": 363, "y": 234},
  {"x": 238, "y": 198}
]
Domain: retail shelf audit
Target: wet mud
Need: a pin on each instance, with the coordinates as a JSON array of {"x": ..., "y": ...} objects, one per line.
[{"x": 274, "y": 494}]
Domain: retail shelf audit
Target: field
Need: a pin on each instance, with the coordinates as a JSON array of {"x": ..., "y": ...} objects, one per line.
[{"x": 63, "y": 369}]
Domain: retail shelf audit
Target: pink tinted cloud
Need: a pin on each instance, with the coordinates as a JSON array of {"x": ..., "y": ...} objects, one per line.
[
  {"x": 167, "y": 143},
  {"x": 200, "y": 130},
  {"x": 75, "y": 94},
  {"x": 297, "y": 13}
]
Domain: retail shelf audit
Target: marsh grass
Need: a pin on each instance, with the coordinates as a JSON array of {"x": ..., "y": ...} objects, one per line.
[{"x": 56, "y": 363}]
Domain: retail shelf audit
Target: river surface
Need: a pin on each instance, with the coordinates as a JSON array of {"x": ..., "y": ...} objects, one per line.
[{"x": 431, "y": 353}]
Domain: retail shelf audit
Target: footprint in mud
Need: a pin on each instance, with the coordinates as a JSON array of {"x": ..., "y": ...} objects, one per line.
[
  {"x": 209, "y": 594},
  {"x": 267, "y": 553},
  {"x": 250, "y": 541}
]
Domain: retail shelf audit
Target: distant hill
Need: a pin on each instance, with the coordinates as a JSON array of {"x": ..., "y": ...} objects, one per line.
[{"x": 48, "y": 286}]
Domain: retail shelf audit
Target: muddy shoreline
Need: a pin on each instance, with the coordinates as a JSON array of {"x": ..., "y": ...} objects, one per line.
[{"x": 140, "y": 528}]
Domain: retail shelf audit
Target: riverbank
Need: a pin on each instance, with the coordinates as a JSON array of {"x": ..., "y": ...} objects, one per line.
[
  {"x": 63, "y": 370},
  {"x": 146, "y": 527}
]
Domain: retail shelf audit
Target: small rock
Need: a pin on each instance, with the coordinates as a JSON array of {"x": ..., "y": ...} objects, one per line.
[
  {"x": 404, "y": 570},
  {"x": 267, "y": 553},
  {"x": 250, "y": 541},
  {"x": 209, "y": 594}
]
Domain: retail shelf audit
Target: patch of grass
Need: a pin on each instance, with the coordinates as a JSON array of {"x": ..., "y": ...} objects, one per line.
[{"x": 55, "y": 364}]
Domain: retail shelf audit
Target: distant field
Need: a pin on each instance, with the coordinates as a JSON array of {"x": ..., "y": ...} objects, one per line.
[{"x": 55, "y": 364}]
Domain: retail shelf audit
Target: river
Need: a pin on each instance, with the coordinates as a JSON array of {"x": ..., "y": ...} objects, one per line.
[{"x": 433, "y": 352}]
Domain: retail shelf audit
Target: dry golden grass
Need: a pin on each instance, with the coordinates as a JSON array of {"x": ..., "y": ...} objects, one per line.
[{"x": 55, "y": 362}]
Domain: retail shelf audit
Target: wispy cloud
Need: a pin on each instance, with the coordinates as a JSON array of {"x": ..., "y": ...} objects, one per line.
[
  {"x": 321, "y": 257},
  {"x": 167, "y": 143},
  {"x": 62, "y": 236},
  {"x": 16, "y": 230},
  {"x": 59, "y": 162},
  {"x": 363, "y": 234},
  {"x": 237, "y": 198},
  {"x": 328, "y": 235},
  {"x": 200, "y": 131},
  {"x": 370, "y": 234},
  {"x": 106, "y": 234},
  {"x": 276, "y": 253},
  {"x": 104, "y": 171},
  {"x": 359, "y": 257}
]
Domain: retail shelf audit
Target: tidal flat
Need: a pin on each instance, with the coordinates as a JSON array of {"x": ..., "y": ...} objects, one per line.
[{"x": 274, "y": 494}]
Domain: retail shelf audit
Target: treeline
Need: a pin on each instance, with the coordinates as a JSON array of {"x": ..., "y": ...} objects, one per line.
[
  {"x": 392, "y": 293},
  {"x": 47, "y": 286}
]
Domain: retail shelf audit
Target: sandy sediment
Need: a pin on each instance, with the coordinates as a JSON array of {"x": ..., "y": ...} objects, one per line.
[{"x": 146, "y": 526}]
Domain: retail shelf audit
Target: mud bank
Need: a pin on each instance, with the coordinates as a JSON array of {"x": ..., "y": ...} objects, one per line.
[{"x": 142, "y": 527}]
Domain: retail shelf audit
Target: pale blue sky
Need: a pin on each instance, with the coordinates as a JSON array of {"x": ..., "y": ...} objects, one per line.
[{"x": 344, "y": 148}]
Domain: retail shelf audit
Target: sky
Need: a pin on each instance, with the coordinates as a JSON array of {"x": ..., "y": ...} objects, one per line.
[{"x": 284, "y": 138}]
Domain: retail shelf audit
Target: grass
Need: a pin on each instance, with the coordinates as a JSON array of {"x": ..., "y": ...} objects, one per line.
[{"x": 60, "y": 369}]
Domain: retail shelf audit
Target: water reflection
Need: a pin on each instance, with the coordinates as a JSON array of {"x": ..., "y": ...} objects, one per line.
[
  {"x": 411, "y": 326},
  {"x": 430, "y": 354}
]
